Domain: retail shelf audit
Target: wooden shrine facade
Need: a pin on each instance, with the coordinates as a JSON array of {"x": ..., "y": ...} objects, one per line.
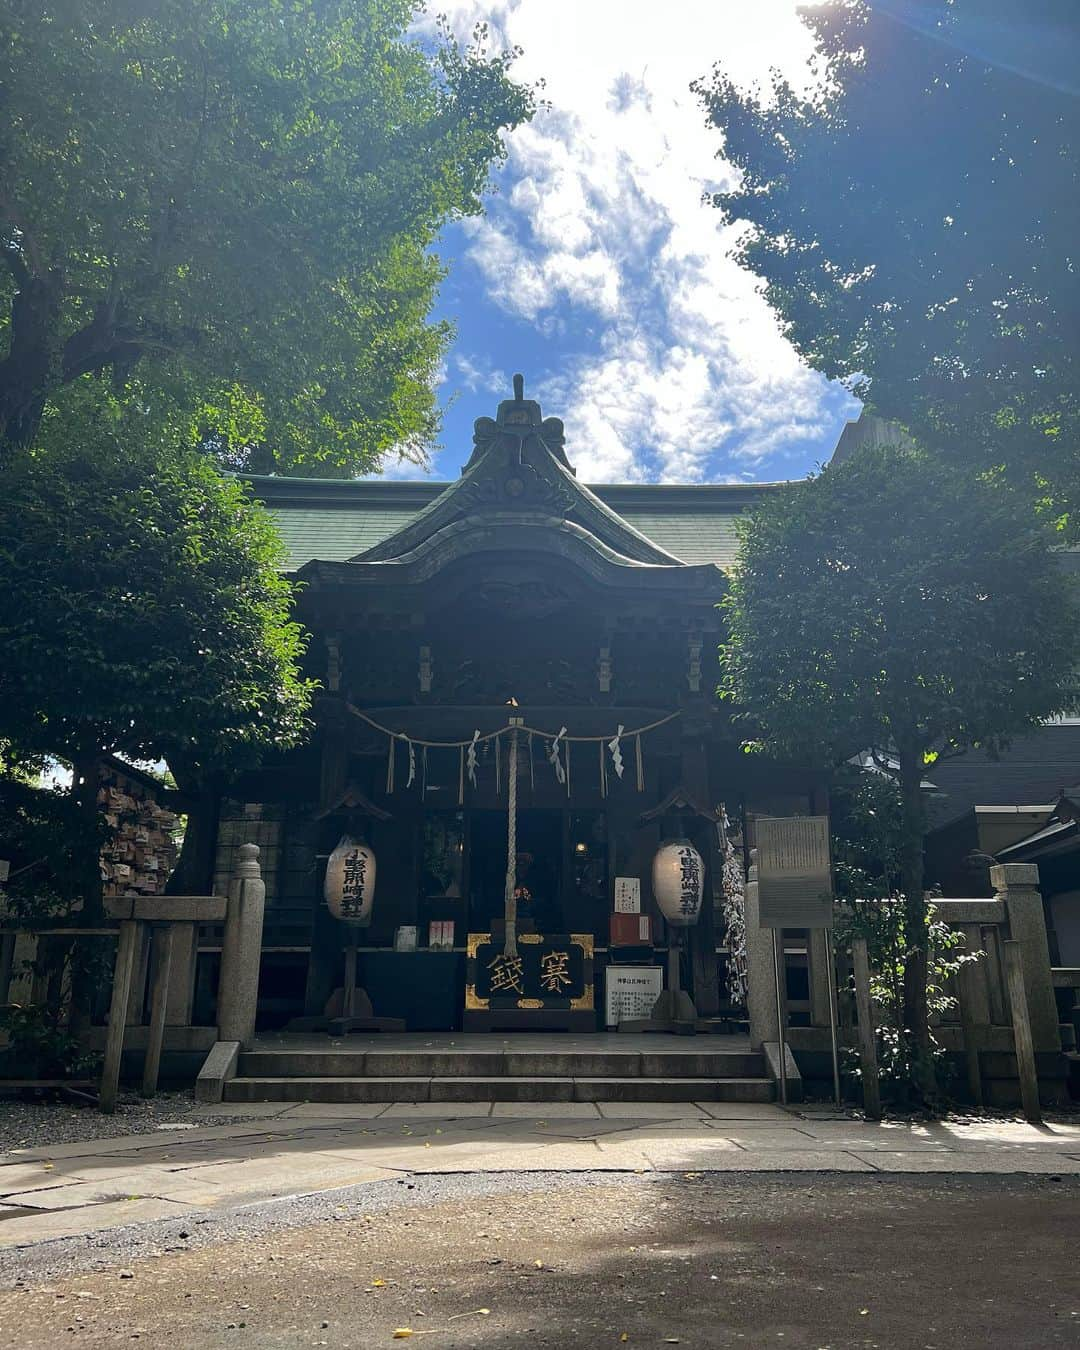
[{"x": 515, "y": 598}]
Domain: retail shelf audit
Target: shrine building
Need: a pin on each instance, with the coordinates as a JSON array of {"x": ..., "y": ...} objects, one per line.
[{"x": 511, "y": 661}]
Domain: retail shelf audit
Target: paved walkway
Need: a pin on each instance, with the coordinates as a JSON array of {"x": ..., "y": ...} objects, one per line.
[{"x": 80, "y": 1188}]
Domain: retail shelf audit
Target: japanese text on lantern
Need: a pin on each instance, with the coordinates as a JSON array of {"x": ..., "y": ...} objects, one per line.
[
  {"x": 555, "y": 972},
  {"x": 354, "y": 876},
  {"x": 506, "y": 974},
  {"x": 689, "y": 880}
]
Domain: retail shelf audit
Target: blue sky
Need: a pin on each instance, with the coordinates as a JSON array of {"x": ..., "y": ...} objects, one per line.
[{"x": 598, "y": 271}]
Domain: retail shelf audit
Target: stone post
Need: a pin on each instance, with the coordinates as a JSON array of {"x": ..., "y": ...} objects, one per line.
[
  {"x": 1018, "y": 885},
  {"x": 760, "y": 970},
  {"x": 241, "y": 949}
]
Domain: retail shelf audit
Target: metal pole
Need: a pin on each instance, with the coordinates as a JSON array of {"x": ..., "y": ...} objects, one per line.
[
  {"x": 777, "y": 968},
  {"x": 830, "y": 961}
]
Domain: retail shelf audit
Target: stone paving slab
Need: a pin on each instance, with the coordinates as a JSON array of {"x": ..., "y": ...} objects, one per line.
[
  {"x": 43, "y": 1227},
  {"x": 334, "y": 1111},
  {"x": 1009, "y": 1162},
  {"x": 755, "y": 1111},
  {"x": 653, "y": 1110},
  {"x": 779, "y": 1160},
  {"x": 546, "y": 1110},
  {"x": 436, "y": 1110},
  {"x": 305, "y": 1148}
]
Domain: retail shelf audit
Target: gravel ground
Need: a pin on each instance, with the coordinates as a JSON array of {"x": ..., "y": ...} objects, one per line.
[
  {"x": 708, "y": 1260},
  {"x": 37, "y": 1124}
]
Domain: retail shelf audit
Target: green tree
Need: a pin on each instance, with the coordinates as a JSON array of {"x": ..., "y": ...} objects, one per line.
[
  {"x": 226, "y": 209},
  {"x": 141, "y": 612},
  {"x": 915, "y": 221},
  {"x": 865, "y": 821},
  {"x": 896, "y": 605}
]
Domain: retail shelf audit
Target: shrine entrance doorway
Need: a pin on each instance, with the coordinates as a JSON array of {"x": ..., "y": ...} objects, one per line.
[{"x": 562, "y": 870}]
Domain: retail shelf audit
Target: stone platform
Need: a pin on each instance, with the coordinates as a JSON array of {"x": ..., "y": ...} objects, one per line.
[{"x": 515, "y": 1067}]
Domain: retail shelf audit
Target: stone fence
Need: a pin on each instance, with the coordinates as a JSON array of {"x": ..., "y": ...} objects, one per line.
[
  {"x": 978, "y": 1034},
  {"x": 157, "y": 945}
]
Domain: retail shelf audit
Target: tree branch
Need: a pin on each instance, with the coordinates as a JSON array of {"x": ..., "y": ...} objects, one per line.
[
  {"x": 15, "y": 263},
  {"x": 27, "y": 245}
]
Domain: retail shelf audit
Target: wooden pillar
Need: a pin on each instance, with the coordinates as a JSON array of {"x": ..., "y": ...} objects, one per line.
[
  {"x": 701, "y": 939},
  {"x": 7, "y": 964},
  {"x": 185, "y": 954},
  {"x": 161, "y": 967},
  {"x": 334, "y": 761},
  {"x": 871, "y": 1087},
  {"x": 121, "y": 992},
  {"x": 967, "y": 995},
  {"x": 1021, "y": 1020}
]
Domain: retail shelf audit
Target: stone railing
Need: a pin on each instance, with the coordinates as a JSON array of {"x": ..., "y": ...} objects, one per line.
[
  {"x": 979, "y": 1035},
  {"x": 982, "y": 1030},
  {"x": 157, "y": 944}
]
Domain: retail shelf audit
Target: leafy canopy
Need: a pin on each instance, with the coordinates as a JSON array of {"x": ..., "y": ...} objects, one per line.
[
  {"x": 141, "y": 609},
  {"x": 916, "y": 220},
  {"x": 227, "y": 208},
  {"x": 893, "y": 602}
]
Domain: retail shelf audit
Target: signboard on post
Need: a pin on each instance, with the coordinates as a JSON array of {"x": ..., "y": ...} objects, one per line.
[
  {"x": 795, "y": 891},
  {"x": 630, "y": 992},
  {"x": 794, "y": 878}
]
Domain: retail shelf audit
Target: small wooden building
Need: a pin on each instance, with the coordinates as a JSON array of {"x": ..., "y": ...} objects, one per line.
[{"x": 512, "y": 615}]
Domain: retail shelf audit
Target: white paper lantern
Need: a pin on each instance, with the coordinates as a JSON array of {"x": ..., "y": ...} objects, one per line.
[
  {"x": 678, "y": 878},
  {"x": 350, "y": 881}
]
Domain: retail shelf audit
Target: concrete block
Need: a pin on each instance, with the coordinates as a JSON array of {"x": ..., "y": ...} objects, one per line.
[
  {"x": 219, "y": 1067},
  {"x": 502, "y": 1089},
  {"x": 771, "y": 1050},
  {"x": 327, "y": 1090},
  {"x": 575, "y": 1063},
  {"x": 706, "y": 1064},
  {"x": 444, "y": 1064}
]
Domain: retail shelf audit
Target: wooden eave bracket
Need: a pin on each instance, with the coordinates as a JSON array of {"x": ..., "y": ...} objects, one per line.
[
  {"x": 681, "y": 801},
  {"x": 353, "y": 801}
]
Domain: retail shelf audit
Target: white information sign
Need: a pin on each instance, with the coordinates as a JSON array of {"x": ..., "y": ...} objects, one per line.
[
  {"x": 627, "y": 895},
  {"x": 630, "y": 992}
]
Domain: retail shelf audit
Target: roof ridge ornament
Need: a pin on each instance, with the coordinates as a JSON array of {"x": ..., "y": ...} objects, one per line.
[{"x": 517, "y": 420}]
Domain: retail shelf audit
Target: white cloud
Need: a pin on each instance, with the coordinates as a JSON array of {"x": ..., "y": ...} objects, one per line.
[
  {"x": 601, "y": 215},
  {"x": 479, "y": 373}
]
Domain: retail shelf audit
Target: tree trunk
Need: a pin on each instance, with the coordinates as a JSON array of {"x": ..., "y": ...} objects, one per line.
[
  {"x": 84, "y": 788},
  {"x": 916, "y": 966},
  {"x": 194, "y": 870},
  {"x": 32, "y": 367},
  {"x": 84, "y": 979}
]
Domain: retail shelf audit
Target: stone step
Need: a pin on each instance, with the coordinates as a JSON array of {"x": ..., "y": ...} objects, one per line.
[
  {"x": 502, "y": 1088},
  {"x": 491, "y": 1064}
]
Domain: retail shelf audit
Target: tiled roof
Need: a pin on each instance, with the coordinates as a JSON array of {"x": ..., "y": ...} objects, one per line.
[
  {"x": 1035, "y": 768},
  {"x": 333, "y": 520}
]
